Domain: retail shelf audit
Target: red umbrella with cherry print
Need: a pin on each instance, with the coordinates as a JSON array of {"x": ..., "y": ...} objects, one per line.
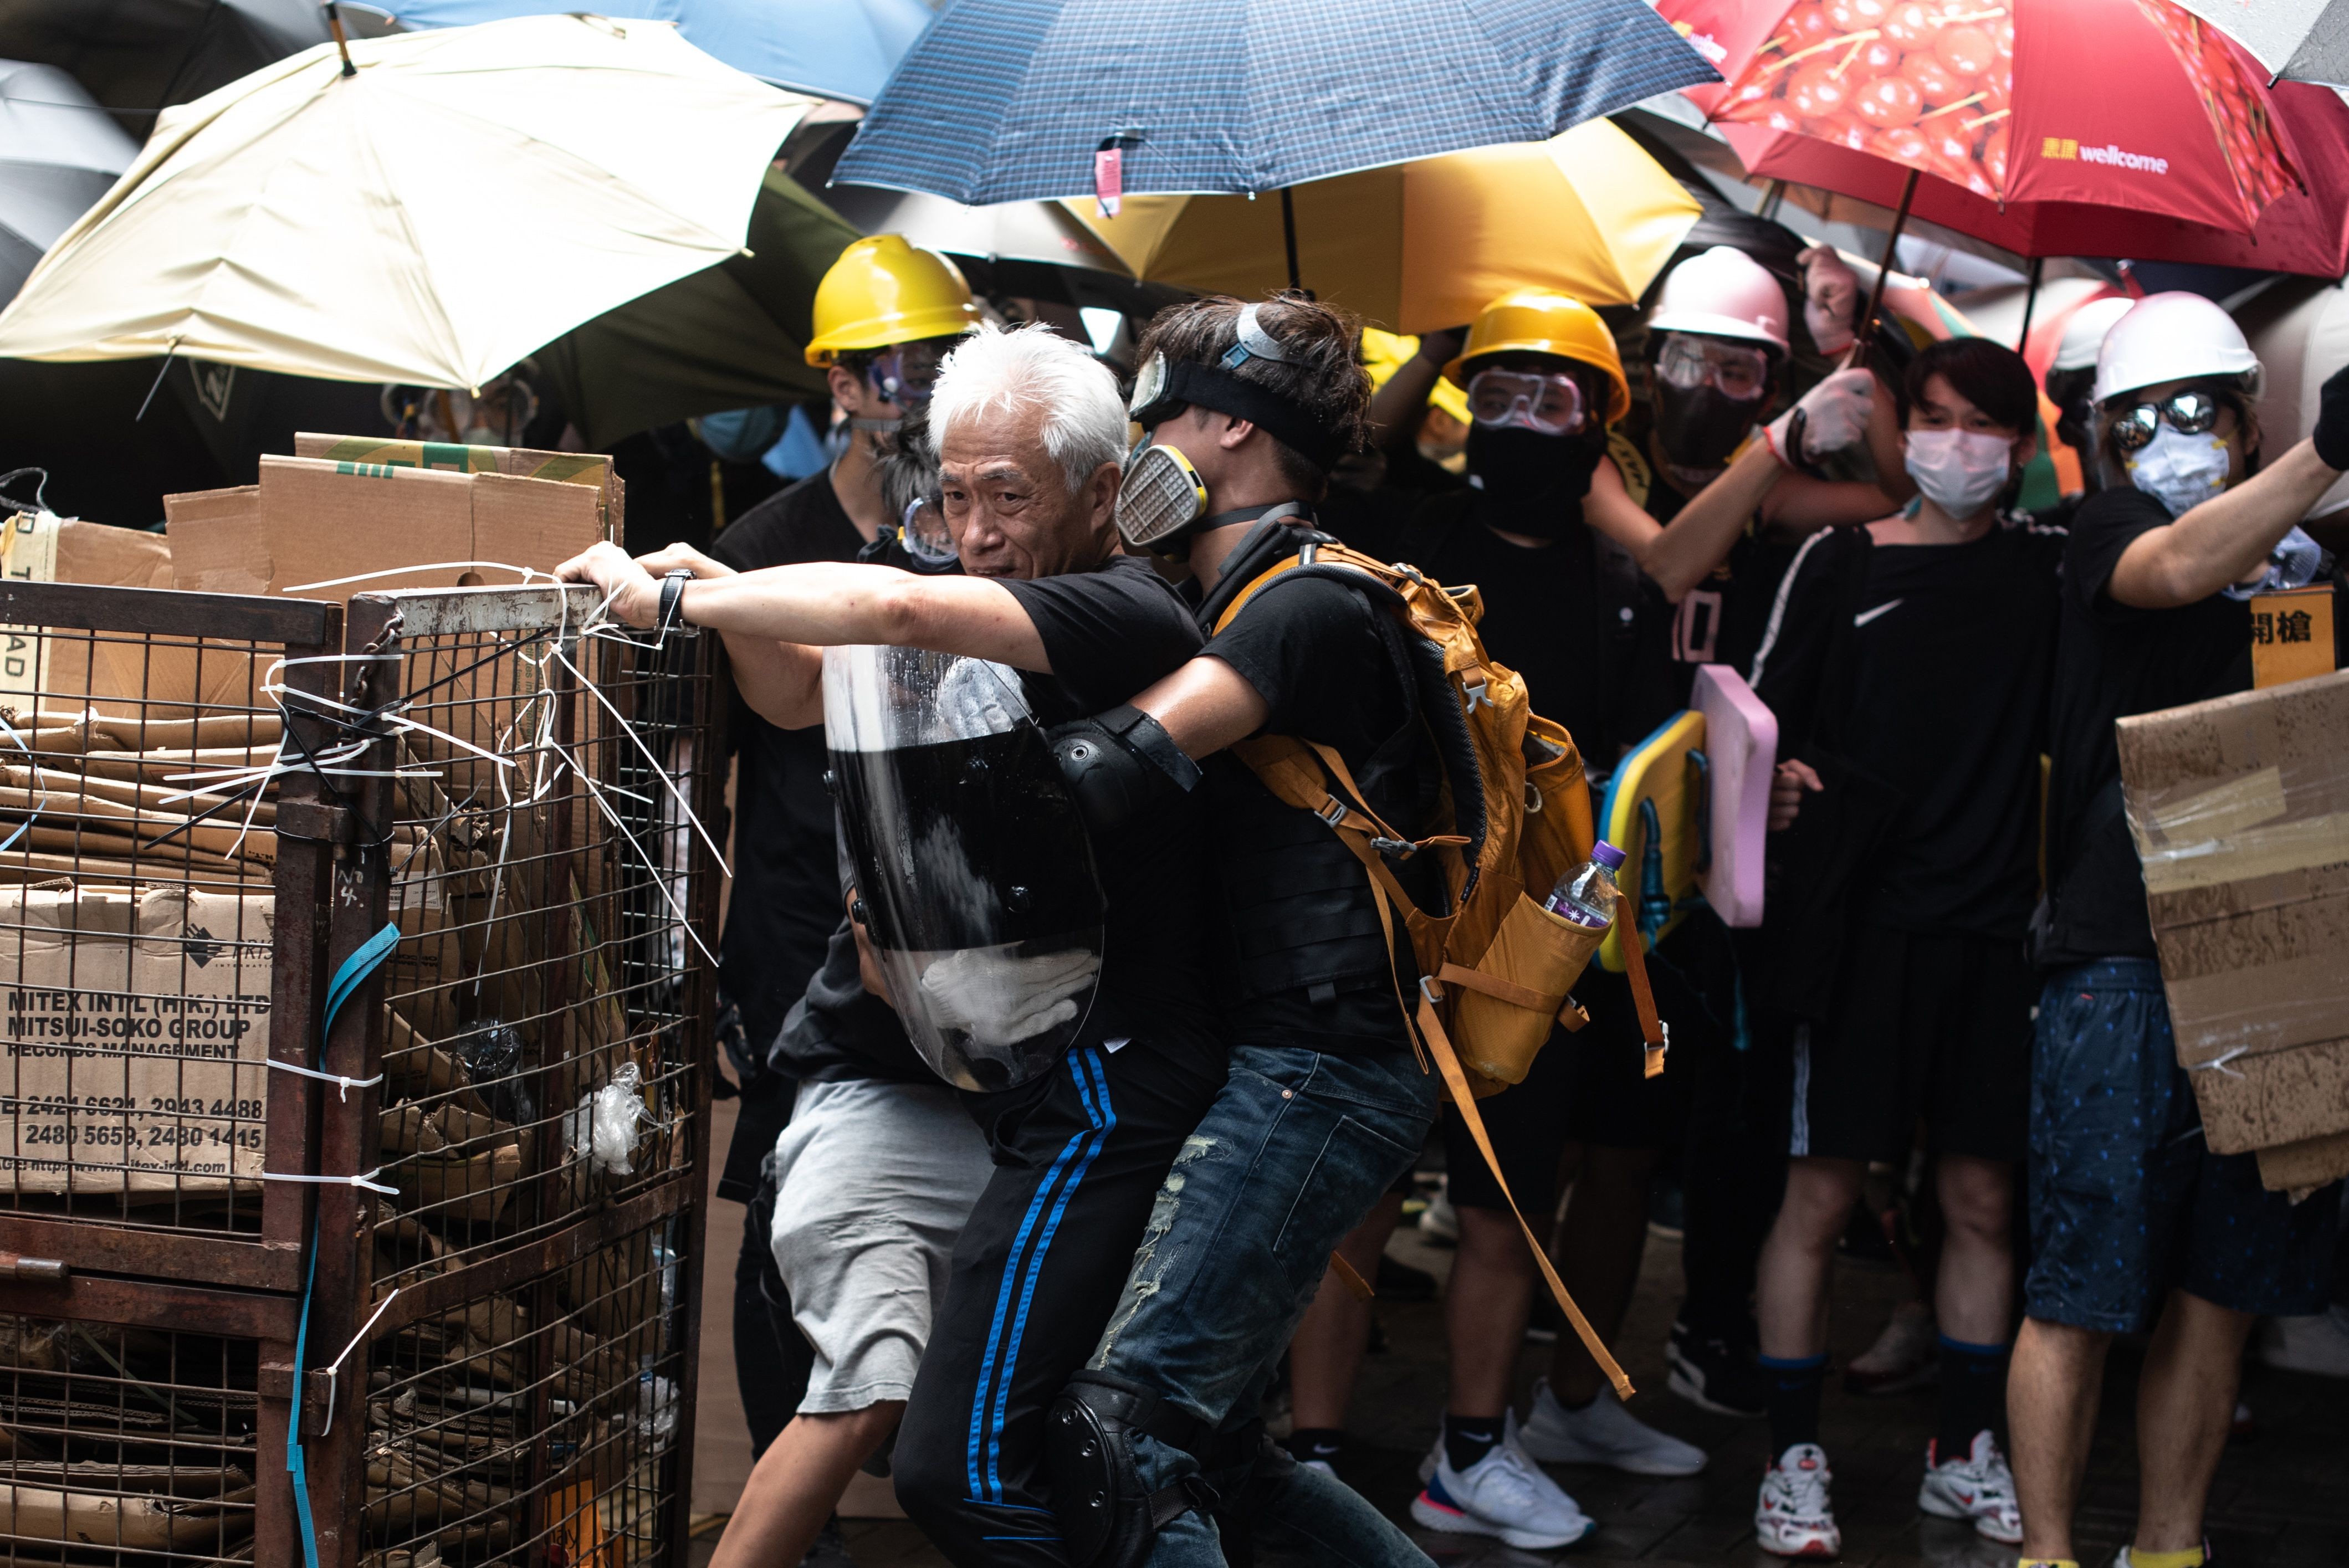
[{"x": 2096, "y": 128}]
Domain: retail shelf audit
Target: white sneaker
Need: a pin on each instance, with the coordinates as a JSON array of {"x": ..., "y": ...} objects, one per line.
[
  {"x": 2318, "y": 1344},
  {"x": 1504, "y": 1494},
  {"x": 1603, "y": 1433},
  {"x": 1906, "y": 1355},
  {"x": 1793, "y": 1517},
  {"x": 1433, "y": 1457},
  {"x": 1439, "y": 1221},
  {"x": 1979, "y": 1488}
]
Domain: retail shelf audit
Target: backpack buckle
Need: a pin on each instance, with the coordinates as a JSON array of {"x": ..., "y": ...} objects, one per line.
[
  {"x": 1332, "y": 810},
  {"x": 1430, "y": 992},
  {"x": 1475, "y": 693},
  {"x": 1401, "y": 848}
]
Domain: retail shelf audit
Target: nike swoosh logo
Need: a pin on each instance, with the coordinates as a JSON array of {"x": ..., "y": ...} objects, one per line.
[{"x": 1865, "y": 616}]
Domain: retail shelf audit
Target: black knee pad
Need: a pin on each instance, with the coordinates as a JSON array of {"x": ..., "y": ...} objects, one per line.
[{"x": 1108, "y": 1518}]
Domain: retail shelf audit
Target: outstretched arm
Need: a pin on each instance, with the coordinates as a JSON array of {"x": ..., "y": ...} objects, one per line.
[
  {"x": 775, "y": 618},
  {"x": 2226, "y": 538}
]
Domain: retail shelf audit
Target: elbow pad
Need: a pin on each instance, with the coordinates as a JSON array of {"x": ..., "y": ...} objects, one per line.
[{"x": 1119, "y": 766}]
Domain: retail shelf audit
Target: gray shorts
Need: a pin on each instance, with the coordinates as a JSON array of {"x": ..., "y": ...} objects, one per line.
[{"x": 874, "y": 1181}]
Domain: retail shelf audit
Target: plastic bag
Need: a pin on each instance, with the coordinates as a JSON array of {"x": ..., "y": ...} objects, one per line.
[{"x": 603, "y": 1131}]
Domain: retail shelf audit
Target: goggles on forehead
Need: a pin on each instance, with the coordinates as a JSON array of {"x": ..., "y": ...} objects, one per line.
[
  {"x": 906, "y": 374},
  {"x": 1738, "y": 371},
  {"x": 1549, "y": 403},
  {"x": 2190, "y": 412}
]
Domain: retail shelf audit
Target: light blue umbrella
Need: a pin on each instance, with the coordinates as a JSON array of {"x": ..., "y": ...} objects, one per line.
[
  {"x": 840, "y": 49},
  {"x": 1009, "y": 100}
]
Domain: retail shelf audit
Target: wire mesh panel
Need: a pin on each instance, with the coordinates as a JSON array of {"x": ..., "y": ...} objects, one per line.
[
  {"x": 545, "y": 1044},
  {"x": 542, "y": 1422},
  {"x": 143, "y": 986}
]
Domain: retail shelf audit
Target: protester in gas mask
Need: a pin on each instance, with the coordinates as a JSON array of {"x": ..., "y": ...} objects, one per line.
[
  {"x": 1029, "y": 431},
  {"x": 2137, "y": 1225},
  {"x": 1907, "y": 662}
]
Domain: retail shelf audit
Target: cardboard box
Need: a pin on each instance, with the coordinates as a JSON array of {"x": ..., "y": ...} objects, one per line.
[
  {"x": 313, "y": 521},
  {"x": 2300, "y": 1168},
  {"x": 121, "y": 675},
  {"x": 2240, "y": 806},
  {"x": 134, "y": 1031},
  {"x": 591, "y": 468}
]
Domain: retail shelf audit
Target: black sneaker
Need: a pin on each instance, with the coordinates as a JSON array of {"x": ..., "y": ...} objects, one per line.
[
  {"x": 1712, "y": 1374},
  {"x": 828, "y": 1550}
]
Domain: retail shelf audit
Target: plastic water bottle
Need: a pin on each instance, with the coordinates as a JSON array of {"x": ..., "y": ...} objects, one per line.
[{"x": 1585, "y": 895}]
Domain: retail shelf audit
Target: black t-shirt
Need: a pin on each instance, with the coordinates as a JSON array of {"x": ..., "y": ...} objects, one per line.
[
  {"x": 786, "y": 896},
  {"x": 1721, "y": 619},
  {"x": 1568, "y": 616},
  {"x": 1946, "y": 703},
  {"x": 839, "y": 1030},
  {"x": 1108, "y": 634},
  {"x": 1327, "y": 661},
  {"x": 2114, "y": 661}
]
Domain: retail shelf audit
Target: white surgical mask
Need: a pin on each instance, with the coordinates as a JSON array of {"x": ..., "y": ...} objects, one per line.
[
  {"x": 2179, "y": 471},
  {"x": 1960, "y": 472}
]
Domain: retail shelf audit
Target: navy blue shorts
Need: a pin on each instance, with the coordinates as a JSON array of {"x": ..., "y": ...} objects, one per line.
[{"x": 2126, "y": 1202}]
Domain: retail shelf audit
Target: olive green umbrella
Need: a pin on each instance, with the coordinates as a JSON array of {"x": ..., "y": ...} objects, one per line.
[{"x": 730, "y": 336}]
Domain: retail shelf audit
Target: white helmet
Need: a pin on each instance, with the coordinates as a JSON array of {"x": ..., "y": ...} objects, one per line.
[
  {"x": 2084, "y": 329},
  {"x": 1722, "y": 293},
  {"x": 2170, "y": 337}
]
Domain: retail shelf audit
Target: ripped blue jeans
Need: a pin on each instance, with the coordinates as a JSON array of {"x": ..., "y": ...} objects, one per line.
[{"x": 1291, "y": 1156}]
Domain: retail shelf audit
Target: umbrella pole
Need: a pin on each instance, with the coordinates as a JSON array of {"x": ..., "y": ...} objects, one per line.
[
  {"x": 2030, "y": 300},
  {"x": 1883, "y": 268},
  {"x": 1288, "y": 234},
  {"x": 334, "y": 25}
]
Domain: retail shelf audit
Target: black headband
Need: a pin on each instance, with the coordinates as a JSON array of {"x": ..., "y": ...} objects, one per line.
[{"x": 1210, "y": 387}]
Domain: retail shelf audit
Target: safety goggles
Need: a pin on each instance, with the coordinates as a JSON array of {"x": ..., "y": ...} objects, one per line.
[
  {"x": 924, "y": 533},
  {"x": 1688, "y": 363},
  {"x": 906, "y": 374},
  {"x": 1551, "y": 404},
  {"x": 2190, "y": 412}
]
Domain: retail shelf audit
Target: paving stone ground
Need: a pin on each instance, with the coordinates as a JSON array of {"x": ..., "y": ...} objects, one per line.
[{"x": 2281, "y": 1499}]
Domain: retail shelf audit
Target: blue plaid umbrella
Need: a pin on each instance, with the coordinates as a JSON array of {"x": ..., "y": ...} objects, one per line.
[{"x": 1008, "y": 100}]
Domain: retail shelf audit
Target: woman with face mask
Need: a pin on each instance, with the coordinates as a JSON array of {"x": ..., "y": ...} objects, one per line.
[{"x": 1908, "y": 658}]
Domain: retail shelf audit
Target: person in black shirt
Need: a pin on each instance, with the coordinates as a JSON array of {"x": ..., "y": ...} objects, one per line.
[
  {"x": 783, "y": 904},
  {"x": 1245, "y": 408},
  {"x": 1028, "y": 429},
  {"x": 2136, "y": 1225},
  {"x": 1918, "y": 648}
]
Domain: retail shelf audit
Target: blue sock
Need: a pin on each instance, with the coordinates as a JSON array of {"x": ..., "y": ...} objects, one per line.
[
  {"x": 1794, "y": 1400},
  {"x": 1974, "y": 1394}
]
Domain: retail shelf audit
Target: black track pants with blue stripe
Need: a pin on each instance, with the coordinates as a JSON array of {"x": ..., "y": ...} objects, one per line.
[{"x": 1079, "y": 1156}]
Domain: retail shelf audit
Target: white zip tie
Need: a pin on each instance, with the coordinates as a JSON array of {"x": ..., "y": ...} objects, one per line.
[
  {"x": 347, "y": 1084},
  {"x": 362, "y": 1180},
  {"x": 528, "y": 575},
  {"x": 2217, "y": 1063},
  {"x": 334, "y": 1369},
  {"x": 667, "y": 783}
]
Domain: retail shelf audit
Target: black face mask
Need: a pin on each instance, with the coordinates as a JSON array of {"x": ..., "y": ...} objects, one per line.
[
  {"x": 1537, "y": 480},
  {"x": 1698, "y": 427}
]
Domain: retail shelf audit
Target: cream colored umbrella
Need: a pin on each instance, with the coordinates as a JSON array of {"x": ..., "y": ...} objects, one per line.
[{"x": 428, "y": 212}]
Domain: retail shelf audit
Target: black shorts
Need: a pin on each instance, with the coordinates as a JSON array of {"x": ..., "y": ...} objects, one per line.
[{"x": 1936, "y": 1026}]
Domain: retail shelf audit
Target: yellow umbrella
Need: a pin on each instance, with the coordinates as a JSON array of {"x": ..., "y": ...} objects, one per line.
[{"x": 1418, "y": 246}]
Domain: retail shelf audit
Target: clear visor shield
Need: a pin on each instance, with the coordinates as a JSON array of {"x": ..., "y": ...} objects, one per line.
[
  {"x": 1551, "y": 404},
  {"x": 906, "y": 374},
  {"x": 1160, "y": 497},
  {"x": 1737, "y": 371},
  {"x": 981, "y": 901}
]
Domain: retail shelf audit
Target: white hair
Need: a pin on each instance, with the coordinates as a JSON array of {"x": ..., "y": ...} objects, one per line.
[{"x": 1031, "y": 366}]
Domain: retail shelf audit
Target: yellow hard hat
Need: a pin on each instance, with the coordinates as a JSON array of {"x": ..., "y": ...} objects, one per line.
[
  {"x": 883, "y": 290},
  {"x": 1536, "y": 321},
  {"x": 1384, "y": 353}
]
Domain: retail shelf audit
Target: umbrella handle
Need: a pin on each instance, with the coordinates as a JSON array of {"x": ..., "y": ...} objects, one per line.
[
  {"x": 1865, "y": 337},
  {"x": 342, "y": 45}
]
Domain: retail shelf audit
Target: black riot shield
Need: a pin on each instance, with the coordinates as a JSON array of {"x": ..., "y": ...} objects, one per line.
[{"x": 976, "y": 877}]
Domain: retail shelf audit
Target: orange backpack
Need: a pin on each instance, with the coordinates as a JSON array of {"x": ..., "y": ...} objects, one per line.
[{"x": 1498, "y": 970}]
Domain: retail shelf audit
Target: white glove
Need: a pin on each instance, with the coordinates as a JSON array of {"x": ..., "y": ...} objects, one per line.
[
  {"x": 1834, "y": 414},
  {"x": 1830, "y": 298},
  {"x": 999, "y": 999}
]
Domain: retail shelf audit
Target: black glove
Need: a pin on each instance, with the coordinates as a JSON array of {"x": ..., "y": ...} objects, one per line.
[
  {"x": 2331, "y": 436},
  {"x": 1118, "y": 765}
]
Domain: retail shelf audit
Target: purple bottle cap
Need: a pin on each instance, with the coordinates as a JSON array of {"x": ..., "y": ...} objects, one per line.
[{"x": 1607, "y": 855}]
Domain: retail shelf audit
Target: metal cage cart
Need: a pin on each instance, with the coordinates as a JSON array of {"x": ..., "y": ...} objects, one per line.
[{"x": 352, "y": 973}]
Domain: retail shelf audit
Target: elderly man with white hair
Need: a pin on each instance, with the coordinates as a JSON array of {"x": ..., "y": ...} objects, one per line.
[{"x": 878, "y": 1170}]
